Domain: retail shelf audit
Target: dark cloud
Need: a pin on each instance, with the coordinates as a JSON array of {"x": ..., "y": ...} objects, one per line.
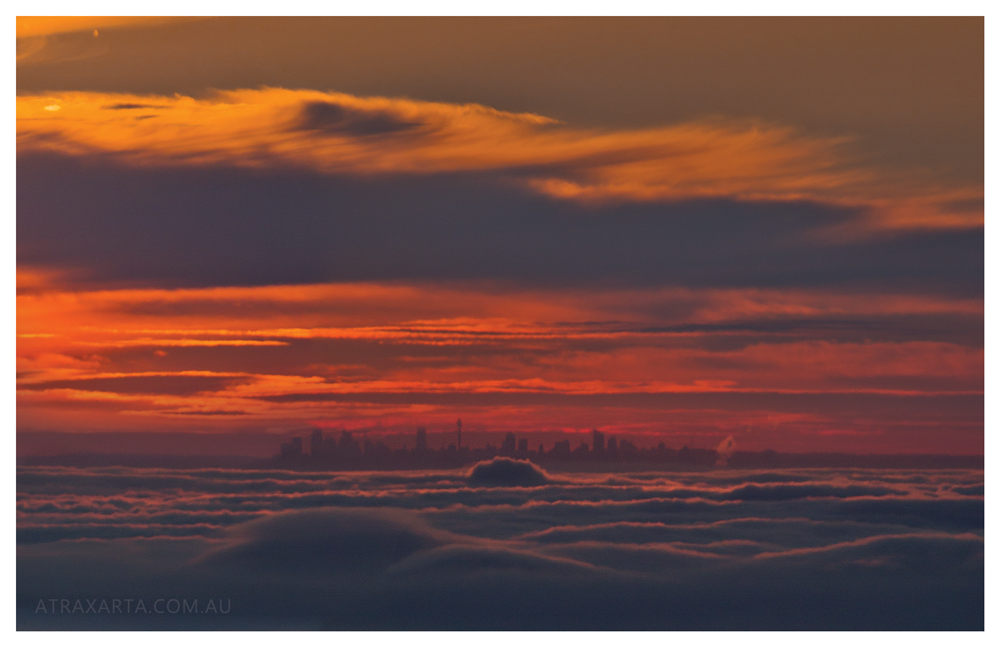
[
  {"x": 326, "y": 541},
  {"x": 423, "y": 550},
  {"x": 507, "y": 472},
  {"x": 954, "y": 514},
  {"x": 165, "y": 384},
  {"x": 785, "y": 492},
  {"x": 394, "y": 573},
  {"x": 638, "y": 559},
  {"x": 130, "y": 497},
  {"x": 952, "y": 327},
  {"x": 227, "y": 226},
  {"x": 484, "y": 558},
  {"x": 208, "y": 412},
  {"x": 47, "y": 533},
  {"x": 133, "y": 106},
  {"x": 771, "y": 532},
  {"x": 340, "y": 119}
]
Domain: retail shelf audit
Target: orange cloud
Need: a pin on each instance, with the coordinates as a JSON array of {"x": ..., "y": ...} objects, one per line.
[
  {"x": 36, "y": 34},
  {"x": 365, "y": 353},
  {"x": 30, "y": 26},
  {"x": 343, "y": 134}
]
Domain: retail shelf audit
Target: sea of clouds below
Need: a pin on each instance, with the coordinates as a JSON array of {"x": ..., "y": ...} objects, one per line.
[{"x": 505, "y": 546}]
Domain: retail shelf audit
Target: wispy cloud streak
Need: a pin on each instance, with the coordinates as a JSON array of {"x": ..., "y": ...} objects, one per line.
[{"x": 347, "y": 135}]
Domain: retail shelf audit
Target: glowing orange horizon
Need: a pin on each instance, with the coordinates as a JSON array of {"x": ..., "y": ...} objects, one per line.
[{"x": 85, "y": 354}]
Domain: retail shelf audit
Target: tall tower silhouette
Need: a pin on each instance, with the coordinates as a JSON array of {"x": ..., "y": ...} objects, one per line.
[
  {"x": 316, "y": 442},
  {"x": 459, "y": 425},
  {"x": 598, "y": 442}
]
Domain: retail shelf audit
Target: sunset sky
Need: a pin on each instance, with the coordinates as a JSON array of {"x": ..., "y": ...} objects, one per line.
[{"x": 670, "y": 229}]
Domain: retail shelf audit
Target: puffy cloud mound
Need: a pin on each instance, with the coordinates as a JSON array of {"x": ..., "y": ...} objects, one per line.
[
  {"x": 424, "y": 551},
  {"x": 326, "y": 539},
  {"x": 502, "y": 471}
]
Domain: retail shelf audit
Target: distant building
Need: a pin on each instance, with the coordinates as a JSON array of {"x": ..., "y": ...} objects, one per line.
[
  {"x": 598, "y": 439},
  {"x": 560, "y": 449},
  {"x": 349, "y": 446},
  {"x": 329, "y": 446},
  {"x": 458, "y": 426},
  {"x": 381, "y": 450},
  {"x": 292, "y": 449},
  {"x": 684, "y": 454},
  {"x": 348, "y": 453},
  {"x": 316, "y": 443}
]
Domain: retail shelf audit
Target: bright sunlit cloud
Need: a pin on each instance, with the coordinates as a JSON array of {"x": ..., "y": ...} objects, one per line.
[{"x": 341, "y": 134}]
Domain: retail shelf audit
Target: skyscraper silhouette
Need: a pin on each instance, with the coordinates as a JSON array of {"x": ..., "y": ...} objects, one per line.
[
  {"x": 316, "y": 443},
  {"x": 349, "y": 446},
  {"x": 598, "y": 442},
  {"x": 292, "y": 449},
  {"x": 421, "y": 439}
]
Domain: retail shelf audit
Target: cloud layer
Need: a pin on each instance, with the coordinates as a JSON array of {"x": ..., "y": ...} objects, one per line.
[
  {"x": 442, "y": 550},
  {"x": 276, "y": 259},
  {"x": 781, "y": 368},
  {"x": 340, "y": 134}
]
